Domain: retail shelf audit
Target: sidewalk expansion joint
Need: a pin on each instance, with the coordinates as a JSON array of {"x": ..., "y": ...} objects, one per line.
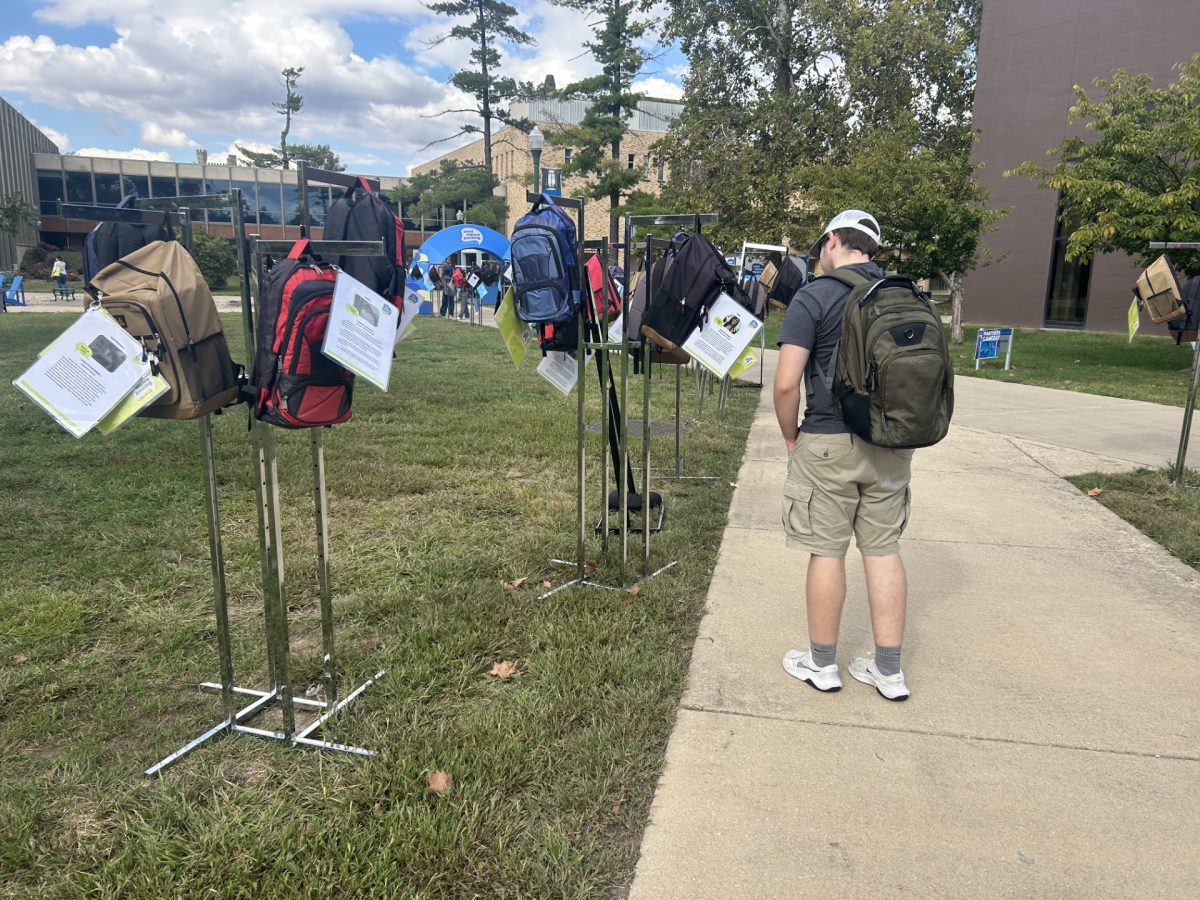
[{"x": 923, "y": 732}]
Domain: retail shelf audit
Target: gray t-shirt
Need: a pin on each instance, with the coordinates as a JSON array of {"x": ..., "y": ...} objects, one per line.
[{"x": 814, "y": 321}]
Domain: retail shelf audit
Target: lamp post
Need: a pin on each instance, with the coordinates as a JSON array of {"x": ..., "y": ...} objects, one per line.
[{"x": 537, "y": 141}]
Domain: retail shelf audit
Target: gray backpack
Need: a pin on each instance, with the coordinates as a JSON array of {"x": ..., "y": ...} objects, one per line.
[{"x": 893, "y": 377}]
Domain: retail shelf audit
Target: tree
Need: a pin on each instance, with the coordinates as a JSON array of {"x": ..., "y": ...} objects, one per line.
[
  {"x": 292, "y": 103},
  {"x": 1139, "y": 179},
  {"x": 932, "y": 211},
  {"x": 15, "y": 213},
  {"x": 776, "y": 85},
  {"x": 215, "y": 257},
  {"x": 452, "y": 184},
  {"x": 597, "y": 138},
  {"x": 491, "y": 23},
  {"x": 319, "y": 155}
]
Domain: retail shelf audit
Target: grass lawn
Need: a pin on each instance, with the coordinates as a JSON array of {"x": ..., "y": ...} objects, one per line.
[
  {"x": 1145, "y": 499},
  {"x": 458, "y": 481}
]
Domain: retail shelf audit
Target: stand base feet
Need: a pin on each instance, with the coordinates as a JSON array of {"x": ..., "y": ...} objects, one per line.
[{"x": 263, "y": 700}]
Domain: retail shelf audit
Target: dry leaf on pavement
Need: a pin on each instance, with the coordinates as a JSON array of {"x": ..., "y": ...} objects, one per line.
[
  {"x": 504, "y": 669},
  {"x": 439, "y": 782},
  {"x": 1095, "y": 492}
]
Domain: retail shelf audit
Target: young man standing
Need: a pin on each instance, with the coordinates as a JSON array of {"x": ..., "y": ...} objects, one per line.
[{"x": 837, "y": 484}]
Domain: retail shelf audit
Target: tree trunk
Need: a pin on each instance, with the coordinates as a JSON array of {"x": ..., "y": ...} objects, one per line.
[
  {"x": 487, "y": 93},
  {"x": 956, "y": 309}
]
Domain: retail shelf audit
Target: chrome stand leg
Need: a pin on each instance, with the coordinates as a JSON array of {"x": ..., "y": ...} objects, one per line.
[
  {"x": 220, "y": 601},
  {"x": 321, "y": 507}
]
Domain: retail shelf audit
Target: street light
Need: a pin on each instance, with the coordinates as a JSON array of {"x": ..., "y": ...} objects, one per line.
[{"x": 537, "y": 141}]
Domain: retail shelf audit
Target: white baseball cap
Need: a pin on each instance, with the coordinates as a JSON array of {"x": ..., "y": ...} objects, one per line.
[{"x": 847, "y": 218}]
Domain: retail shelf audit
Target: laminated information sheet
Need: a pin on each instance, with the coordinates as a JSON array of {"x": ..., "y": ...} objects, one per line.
[
  {"x": 719, "y": 342},
  {"x": 361, "y": 331},
  {"x": 407, "y": 317},
  {"x": 561, "y": 369},
  {"x": 85, "y": 373}
]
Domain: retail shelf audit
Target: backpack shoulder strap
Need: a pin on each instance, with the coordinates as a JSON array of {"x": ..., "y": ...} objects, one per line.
[{"x": 852, "y": 280}]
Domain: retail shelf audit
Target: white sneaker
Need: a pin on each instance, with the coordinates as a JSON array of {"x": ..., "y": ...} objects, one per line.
[
  {"x": 799, "y": 664},
  {"x": 892, "y": 687}
]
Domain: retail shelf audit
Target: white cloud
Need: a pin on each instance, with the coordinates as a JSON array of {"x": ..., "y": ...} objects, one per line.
[
  {"x": 659, "y": 88},
  {"x": 133, "y": 153},
  {"x": 59, "y": 138},
  {"x": 153, "y": 133}
]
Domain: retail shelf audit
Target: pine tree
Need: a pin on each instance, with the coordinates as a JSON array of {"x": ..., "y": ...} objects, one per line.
[
  {"x": 597, "y": 138},
  {"x": 490, "y": 23}
]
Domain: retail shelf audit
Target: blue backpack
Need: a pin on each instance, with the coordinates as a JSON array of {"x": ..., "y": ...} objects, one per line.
[{"x": 545, "y": 270}]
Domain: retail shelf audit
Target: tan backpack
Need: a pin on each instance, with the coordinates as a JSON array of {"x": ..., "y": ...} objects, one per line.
[{"x": 158, "y": 295}]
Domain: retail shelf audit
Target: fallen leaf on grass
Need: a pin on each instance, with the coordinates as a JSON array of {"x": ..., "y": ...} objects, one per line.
[
  {"x": 635, "y": 590},
  {"x": 515, "y": 585},
  {"x": 504, "y": 669},
  {"x": 617, "y": 808},
  {"x": 546, "y": 584},
  {"x": 1095, "y": 492},
  {"x": 377, "y": 809},
  {"x": 372, "y": 643},
  {"x": 589, "y": 567},
  {"x": 20, "y": 659},
  {"x": 439, "y": 782}
]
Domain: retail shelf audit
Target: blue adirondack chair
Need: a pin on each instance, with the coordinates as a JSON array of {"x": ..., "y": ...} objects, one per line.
[{"x": 15, "y": 295}]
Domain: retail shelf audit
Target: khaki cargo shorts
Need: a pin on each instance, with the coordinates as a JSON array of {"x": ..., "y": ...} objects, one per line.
[{"x": 838, "y": 485}]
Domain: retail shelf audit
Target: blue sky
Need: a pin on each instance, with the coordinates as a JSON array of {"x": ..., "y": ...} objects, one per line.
[{"x": 157, "y": 79}]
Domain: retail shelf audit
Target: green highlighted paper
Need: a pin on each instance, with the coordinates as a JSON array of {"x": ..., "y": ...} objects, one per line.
[{"x": 513, "y": 330}]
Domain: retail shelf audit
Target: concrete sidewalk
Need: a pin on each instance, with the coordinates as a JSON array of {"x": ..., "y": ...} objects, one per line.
[{"x": 1051, "y": 747}]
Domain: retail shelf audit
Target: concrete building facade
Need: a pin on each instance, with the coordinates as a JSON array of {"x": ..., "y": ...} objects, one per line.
[
  {"x": 19, "y": 140},
  {"x": 1031, "y": 53},
  {"x": 513, "y": 161}
]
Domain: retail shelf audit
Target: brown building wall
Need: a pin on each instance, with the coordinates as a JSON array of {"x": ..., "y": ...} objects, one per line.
[
  {"x": 513, "y": 165},
  {"x": 1031, "y": 53}
]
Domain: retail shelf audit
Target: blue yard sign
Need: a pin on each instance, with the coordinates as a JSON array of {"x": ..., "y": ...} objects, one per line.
[
  {"x": 990, "y": 342},
  {"x": 552, "y": 182}
]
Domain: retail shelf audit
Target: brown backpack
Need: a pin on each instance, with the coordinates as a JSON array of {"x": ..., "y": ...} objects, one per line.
[{"x": 158, "y": 295}]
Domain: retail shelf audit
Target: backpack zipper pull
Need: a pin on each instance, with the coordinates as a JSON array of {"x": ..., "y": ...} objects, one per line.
[{"x": 885, "y": 421}]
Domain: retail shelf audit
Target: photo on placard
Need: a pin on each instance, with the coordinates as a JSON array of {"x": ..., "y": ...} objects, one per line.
[
  {"x": 108, "y": 354},
  {"x": 732, "y": 324},
  {"x": 366, "y": 309}
]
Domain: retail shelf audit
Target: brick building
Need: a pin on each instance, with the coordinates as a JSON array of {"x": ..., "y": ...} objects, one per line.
[
  {"x": 513, "y": 162},
  {"x": 1030, "y": 54}
]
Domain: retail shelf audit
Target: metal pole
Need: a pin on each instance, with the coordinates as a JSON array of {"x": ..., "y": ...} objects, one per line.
[
  {"x": 321, "y": 507},
  {"x": 605, "y": 365},
  {"x": 1181, "y": 457},
  {"x": 646, "y": 464},
  {"x": 220, "y": 602},
  {"x": 278, "y": 640},
  {"x": 678, "y": 422}
]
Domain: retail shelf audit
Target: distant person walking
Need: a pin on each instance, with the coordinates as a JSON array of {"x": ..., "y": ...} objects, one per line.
[
  {"x": 59, "y": 272},
  {"x": 838, "y": 485},
  {"x": 447, "y": 285}
]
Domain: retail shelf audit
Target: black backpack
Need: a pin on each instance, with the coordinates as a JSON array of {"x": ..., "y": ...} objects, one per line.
[
  {"x": 694, "y": 278},
  {"x": 1186, "y": 326},
  {"x": 788, "y": 280},
  {"x": 369, "y": 219},
  {"x": 110, "y": 241}
]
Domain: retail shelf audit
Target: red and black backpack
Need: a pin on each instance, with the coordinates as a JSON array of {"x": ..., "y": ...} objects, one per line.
[
  {"x": 368, "y": 218},
  {"x": 292, "y": 384}
]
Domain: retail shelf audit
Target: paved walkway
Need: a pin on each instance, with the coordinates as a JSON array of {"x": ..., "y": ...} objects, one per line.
[{"x": 1052, "y": 744}]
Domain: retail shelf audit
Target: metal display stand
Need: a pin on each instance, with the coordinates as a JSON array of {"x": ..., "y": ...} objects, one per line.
[
  {"x": 169, "y": 211},
  {"x": 1185, "y": 434},
  {"x": 696, "y": 221}
]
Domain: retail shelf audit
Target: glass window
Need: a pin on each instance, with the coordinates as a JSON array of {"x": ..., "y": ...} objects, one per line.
[
  {"x": 164, "y": 187},
  {"x": 192, "y": 187},
  {"x": 50, "y": 191},
  {"x": 249, "y": 200},
  {"x": 1067, "y": 295},
  {"x": 318, "y": 202},
  {"x": 138, "y": 185},
  {"x": 108, "y": 189},
  {"x": 291, "y": 204},
  {"x": 79, "y": 187},
  {"x": 662, "y": 171},
  {"x": 632, "y": 161},
  {"x": 567, "y": 154},
  {"x": 217, "y": 186},
  {"x": 270, "y": 206}
]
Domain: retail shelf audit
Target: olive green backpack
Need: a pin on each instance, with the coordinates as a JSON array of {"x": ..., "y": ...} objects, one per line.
[{"x": 893, "y": 377}]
